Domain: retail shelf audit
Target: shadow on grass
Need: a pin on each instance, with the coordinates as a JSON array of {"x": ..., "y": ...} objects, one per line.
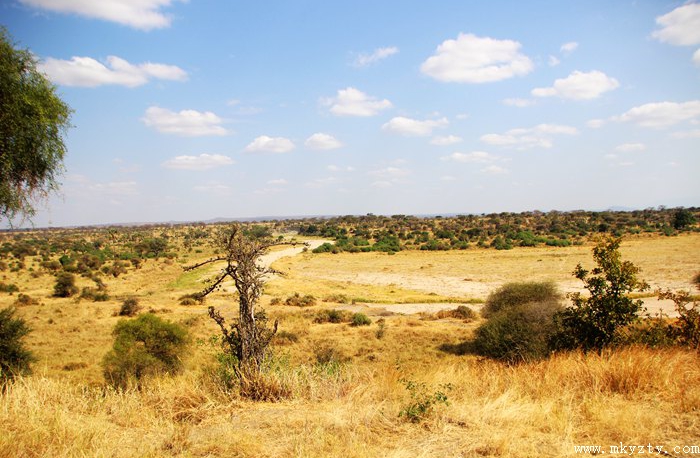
[{"x": 460, "y": 349}]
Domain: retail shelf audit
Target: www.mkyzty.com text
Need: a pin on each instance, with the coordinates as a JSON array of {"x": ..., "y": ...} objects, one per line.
[{"x": 638, "y": 449}]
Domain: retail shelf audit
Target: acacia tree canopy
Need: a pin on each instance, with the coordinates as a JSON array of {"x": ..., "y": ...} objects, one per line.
[{"x": 33, "y": 121}]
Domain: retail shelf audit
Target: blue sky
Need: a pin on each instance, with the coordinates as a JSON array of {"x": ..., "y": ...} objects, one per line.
[{"x": 191, "y": 110}]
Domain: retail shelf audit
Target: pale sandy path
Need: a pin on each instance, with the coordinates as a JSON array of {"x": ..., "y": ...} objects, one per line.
[{"x": 268, "y": 259}]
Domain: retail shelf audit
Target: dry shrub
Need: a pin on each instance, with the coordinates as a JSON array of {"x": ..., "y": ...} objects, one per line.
[
  {"x": 192, "y": 299},
  {"x": 25, "y": 300},
  {"x": 129, "y": 307},
  {"x": 462, "y": 312},
  {"x": 514, "y": 294},
  {"x": 259, "y": 386},
  {"x": 297, "y": 300}
]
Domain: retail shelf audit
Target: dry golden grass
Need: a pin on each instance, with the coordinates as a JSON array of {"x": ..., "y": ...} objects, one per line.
[
  {"x": 352, "y": 408},
  {"x": 542, "y": 409}
]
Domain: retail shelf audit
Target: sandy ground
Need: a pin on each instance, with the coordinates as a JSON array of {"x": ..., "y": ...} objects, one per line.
[
  {"x": 457, "y": 283},
  {"x": 273, "y": 256}
]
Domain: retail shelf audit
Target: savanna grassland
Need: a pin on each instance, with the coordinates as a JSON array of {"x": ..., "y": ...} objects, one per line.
[{"x": 398, "y": 387}]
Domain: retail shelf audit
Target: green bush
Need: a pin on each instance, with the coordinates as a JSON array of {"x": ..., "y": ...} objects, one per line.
[
  {"x": 422, "y": 403},
  {"x": 518, "y": 333},
  {"x": 144, "y": 346},
  {"x": 94, "y": 294},
  {"x": 332, "y": 316},
  {"x": 65, "y": 285},
  {"x": 327, "y": 248},
  {"x": 653, "y": 332},
  {"x": 360, "y": 319},
  {"x": 685, "y": 329},
  {"x": 514, "y": 294},
  {"x": 15, "y": 359},
  {"x": 599, "y": 319}
]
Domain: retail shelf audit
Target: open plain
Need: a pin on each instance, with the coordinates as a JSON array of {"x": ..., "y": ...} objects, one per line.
[{"x": 345, "y": 387}]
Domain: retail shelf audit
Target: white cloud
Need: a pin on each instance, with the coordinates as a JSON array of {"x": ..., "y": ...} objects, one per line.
[
  {"x": 141, "y": 14},
  {"x": 214, "y": 188},
  {"x": 270, "y": 144},
  {"x": 278, "y": 182},
  {"x": 448, "y": 178},
  {"x": 687, "y": 134},
  {"x": 388, "y": 176},
  {"x": 336, "y": 168},
  {"x": 520, "y": 103},
  {"x": 473, "y": 157},
  {"x": 568, "y": 48},
  {"x": 579, "y": 86},
  {"x": 201, "y": 162},
  {"x": 553, "y": 61},
  {"x": 472, "y": 59},
  {"x": 661, "y": 114},
  {"x": 525, "y": 138},
  {"x": 553, "y": 129},
  {"x": 115, "y": 188},
  {"x": 696, "y": 57},
  {"x": 446, "y": 140},
  {"x": 681, "y": 26},
  {"x": 88, "y": 72},
  {"x": 364, "y": 60},
  {"x": 595, "y": 123},
  {"x": 629, "y": 147},
  {"x": 390, "y": 172},
  {"x": 187, "y": 123},
  {"x": 353, "y": 102},
  {"x": 494, "y": 170},
  {"x": 413, "y": 127},
  {"x": 321, "y": 141},
  {"x": 321, "y": 182}
]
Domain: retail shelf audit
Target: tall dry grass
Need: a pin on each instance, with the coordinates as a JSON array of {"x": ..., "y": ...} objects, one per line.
[{"x": 632, "y": 395}]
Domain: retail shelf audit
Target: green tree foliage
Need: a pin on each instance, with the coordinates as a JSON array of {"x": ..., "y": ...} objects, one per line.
[
  {"x": 144, "y": 346},
  {"x": 15, "y": 359},
  {"x": 682, "y": 218},
  {"x": 65, "y": 285},
  {"x": 33, "y": 120},
  {"x": 595, "y": 321}
]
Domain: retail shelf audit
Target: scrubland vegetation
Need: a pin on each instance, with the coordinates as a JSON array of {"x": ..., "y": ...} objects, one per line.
[{"x": 109, "y": 347}]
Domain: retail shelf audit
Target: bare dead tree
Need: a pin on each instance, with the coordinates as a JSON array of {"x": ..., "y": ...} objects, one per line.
[{"x": 248, "y": 337}]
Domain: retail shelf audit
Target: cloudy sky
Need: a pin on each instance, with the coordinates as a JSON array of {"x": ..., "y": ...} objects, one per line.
[{"x": 191, "y": 110}]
